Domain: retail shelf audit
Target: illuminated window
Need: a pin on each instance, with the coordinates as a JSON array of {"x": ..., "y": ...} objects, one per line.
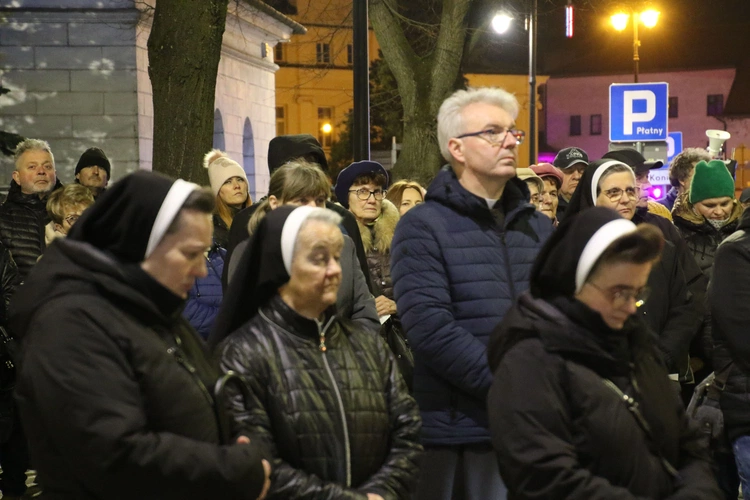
[{"x": 280, "y": 121}]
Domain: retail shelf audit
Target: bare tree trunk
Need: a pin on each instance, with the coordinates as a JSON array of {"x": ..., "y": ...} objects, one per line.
[
  {"x": 184, "y": 49},
  {"x": 423, "y": 81}
]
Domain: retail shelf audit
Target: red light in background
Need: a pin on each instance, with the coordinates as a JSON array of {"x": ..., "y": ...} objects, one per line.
[{"x": 569, "y": 20}]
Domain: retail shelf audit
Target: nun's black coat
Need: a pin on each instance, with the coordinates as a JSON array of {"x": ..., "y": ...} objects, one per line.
[
  {"x": 115, "y": 390},
  {"x": 563, "y": 432}
]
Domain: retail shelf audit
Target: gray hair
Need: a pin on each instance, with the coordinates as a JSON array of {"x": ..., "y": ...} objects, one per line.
[
  {"x": 450, "y": 122},
  {"x": 32, "y": 145}
]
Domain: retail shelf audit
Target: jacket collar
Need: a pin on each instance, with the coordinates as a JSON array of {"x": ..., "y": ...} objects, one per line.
[
  {"x": 446, "y": 190},
  {"x": 15, "y": 195},
  {"x": 277, "y": 311}
]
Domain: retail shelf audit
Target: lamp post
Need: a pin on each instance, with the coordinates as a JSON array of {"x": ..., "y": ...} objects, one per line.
[
  {"x": 501, "y": 23},
  {"x": 649, "y": 18}
]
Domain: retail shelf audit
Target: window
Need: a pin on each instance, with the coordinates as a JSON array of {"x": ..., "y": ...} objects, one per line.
[
  {"x": 279, "y": 52},
  {"x": 349, "y": 54},
  {"x": 715, "y": 104},
  {"x": 575, "y": 125},
  {"x": 325, "y": 126},
  {"x": 280, "y": 121},
  {"x": 323, "y": 53},
  {"x": 674, "y": 108},
  {"x": 595, "y": 125}
]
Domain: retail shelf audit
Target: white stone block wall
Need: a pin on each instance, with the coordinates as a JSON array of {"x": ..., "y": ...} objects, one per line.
[{"x": 72, "y": 76}]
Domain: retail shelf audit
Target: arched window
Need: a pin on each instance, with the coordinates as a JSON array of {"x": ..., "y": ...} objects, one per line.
[
  {"x": 219, "y": 131},
  {"x": 248, "y": 157}
]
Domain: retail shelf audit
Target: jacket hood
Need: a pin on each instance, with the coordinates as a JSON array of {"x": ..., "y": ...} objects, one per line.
[
  {"x": 684, "y": 210},
  {"x": 384, "y": 227},
  {"x": 15, "y": 194},
  {"x": 537, "y": 318},
  {"x": 446, "y": 190},
  {"x": 284, "y": 148},
  {"x": 73, "y": 267}
]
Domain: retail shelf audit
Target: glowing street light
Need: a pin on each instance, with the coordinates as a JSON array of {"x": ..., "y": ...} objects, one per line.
[
  {"x": 501, "y": 22},
  {"x": 649, "y": 18},
  {"x": 326, "y": 128}
]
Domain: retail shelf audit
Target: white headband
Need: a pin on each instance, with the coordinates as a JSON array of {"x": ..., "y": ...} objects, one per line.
[
  {"x": 600, "y": 171},
  {"x": 171, "y": 205},
  {"x": 289, "y": 233},
  {"x": 596, "y": 246}
]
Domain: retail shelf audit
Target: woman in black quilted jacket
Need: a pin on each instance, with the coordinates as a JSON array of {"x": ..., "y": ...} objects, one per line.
[{"x": 324, "y": 396}]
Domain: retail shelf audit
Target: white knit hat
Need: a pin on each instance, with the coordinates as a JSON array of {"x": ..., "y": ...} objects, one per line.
[{"x": 220, "y": 168}]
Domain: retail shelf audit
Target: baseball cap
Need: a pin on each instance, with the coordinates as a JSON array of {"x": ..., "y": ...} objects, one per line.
[
  {"x": 568, "y": 157},
  {"x": 633, "y": 159}
]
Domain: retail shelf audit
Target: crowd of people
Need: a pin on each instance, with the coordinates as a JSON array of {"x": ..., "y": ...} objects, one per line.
[{"x": 509, "y": 331}]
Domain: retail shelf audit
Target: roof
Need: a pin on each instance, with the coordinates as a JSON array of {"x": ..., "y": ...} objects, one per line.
[{"x": 297, "y": 28}]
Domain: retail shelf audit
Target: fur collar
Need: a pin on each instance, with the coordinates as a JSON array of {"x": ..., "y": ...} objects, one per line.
[{"x": 384, "y": 227}]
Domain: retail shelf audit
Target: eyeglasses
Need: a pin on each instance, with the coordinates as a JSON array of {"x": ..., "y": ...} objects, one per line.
[
  {"x": 615, "y": 194},
  {"x": 364, "y": 193},
  {"x": 72, "y": 218},
  {"x": 621, "y": 297},
  {"x": 536, "y": 199},
  {"x": 496, "y": 136}
]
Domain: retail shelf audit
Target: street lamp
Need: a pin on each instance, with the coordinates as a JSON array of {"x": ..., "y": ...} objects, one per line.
[
  {"x": 501, "y": 23},
  {"x": 649, "y": 18}
]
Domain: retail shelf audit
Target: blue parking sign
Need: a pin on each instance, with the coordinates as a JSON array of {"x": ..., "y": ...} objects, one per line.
[
  {"x": 638, "y": 112},
  {"x": 674, "y": 145}
]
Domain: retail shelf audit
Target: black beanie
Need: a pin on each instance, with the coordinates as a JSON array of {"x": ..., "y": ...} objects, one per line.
[{"x": 93, "y": 157}]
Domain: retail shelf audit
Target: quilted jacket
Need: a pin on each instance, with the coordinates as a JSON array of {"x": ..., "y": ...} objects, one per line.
[
  {"x": 328, "y": 403},
  {"x": 204, "y": 299},
  {"x": 22, "y": 221},
  {"x": 457, "y": 267}
]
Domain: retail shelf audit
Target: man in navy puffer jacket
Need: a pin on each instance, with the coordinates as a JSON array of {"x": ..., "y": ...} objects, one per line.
[{"x": 458, "y": 262}]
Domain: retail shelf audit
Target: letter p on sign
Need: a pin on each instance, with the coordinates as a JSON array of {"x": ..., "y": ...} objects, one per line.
[{"x": 629, "y": 116}]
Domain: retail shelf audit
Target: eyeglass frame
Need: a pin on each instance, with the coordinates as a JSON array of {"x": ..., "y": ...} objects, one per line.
[
  {"x": 518, "y": 132},
  {"x": 74, "y": 216},
  {"x": 383, "y": 192},
  {"x": 636, "y": 194},
  {"x": 640, "y": 296}
]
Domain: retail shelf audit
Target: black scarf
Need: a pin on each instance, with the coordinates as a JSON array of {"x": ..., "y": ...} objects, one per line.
[{"x": 259, "y": 275}]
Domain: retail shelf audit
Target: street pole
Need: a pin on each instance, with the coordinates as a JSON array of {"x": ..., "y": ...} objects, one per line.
[
  {"x": 361, "y": 63},
  {"x": 636, "y": 44},
  {"x": 532, "y": 83}
]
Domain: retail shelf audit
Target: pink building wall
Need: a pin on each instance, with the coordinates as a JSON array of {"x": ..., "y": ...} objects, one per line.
[{"x": 589, "y": 95}]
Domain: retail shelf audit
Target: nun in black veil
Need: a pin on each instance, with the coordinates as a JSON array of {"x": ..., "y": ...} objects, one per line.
[
  {"x": 581, "y": 406},
  {"x": 323, "y": 395},
  {"x": 115, "y": 389}
]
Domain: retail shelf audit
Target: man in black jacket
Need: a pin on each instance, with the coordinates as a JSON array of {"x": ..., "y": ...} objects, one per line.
[{"x": 24, "y": 213}]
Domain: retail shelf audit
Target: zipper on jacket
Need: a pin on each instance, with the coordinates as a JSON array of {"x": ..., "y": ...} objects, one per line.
[
  {"x": 175, "y": 351},
  {"x": 342, "y": 412},
  {"x": 507, "y": 267}
]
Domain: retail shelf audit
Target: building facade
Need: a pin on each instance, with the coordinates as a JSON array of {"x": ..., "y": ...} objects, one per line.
[{"x": 77, "y": 71}]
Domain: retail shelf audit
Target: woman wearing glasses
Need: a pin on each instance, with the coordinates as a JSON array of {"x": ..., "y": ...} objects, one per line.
[
  {"x": 671, "y": 311},
  {"x": 580, "y": 405}
]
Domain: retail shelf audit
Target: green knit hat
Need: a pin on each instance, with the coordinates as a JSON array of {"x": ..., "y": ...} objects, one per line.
[{"x": 711, "y": 180}]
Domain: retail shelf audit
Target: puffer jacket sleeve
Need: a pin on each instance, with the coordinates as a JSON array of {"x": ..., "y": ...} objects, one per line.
[
  {"x": 424, "y": 303},
  {"x": 398, "y": 475},
  {"x": 531, "y": 426},
  {"x": 250, "y": 418},
  {"x": 93, "y": 408},
  {"x": 9, "y": 280}
]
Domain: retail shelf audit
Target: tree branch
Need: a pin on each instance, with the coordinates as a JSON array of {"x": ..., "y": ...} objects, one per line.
[{"x": 449, "y": 48}]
